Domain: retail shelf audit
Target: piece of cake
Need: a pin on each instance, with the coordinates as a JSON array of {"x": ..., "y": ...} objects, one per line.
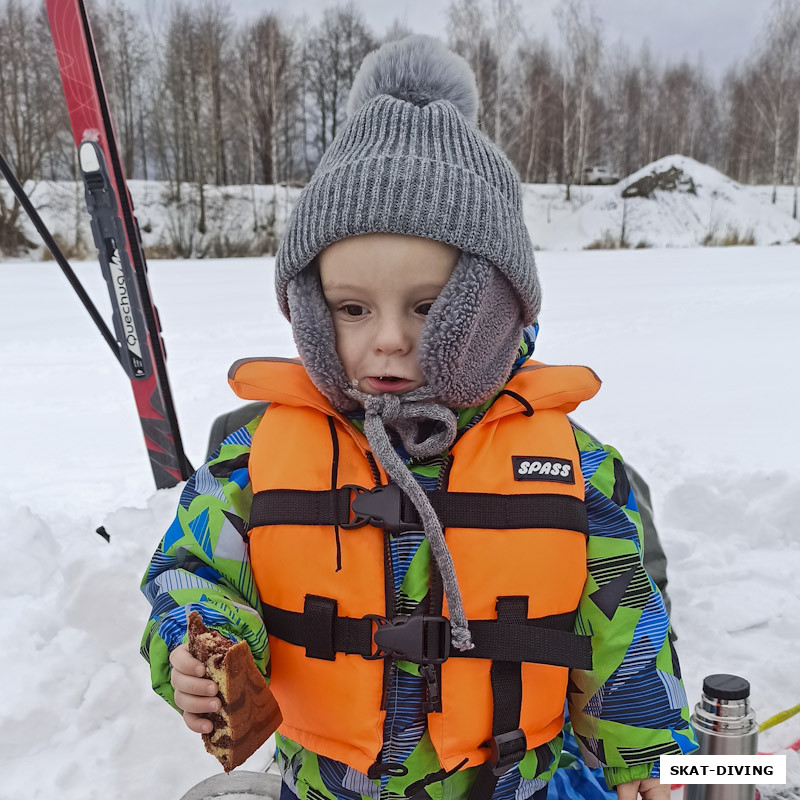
[{"x": 249, "y": 713}]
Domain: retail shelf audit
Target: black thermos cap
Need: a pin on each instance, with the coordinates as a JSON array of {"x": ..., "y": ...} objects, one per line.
[{"x": 726, "y": 687}]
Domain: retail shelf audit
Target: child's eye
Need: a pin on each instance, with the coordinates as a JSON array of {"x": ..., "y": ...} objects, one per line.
[
  {"x": 353, "y": 310},
  {"x": 423, "y": 309}
]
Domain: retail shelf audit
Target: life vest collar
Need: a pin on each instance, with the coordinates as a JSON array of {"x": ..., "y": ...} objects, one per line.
[
  {"x": 533, "y": 387},
  {"x": 276, "y": 380}
]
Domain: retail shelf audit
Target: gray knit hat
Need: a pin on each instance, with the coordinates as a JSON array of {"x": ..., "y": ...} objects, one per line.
[{"x": 411, "y": 160}]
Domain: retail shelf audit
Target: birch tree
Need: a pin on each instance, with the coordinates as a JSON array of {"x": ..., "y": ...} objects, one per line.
[
  {"x": 33, "y": 117},
  {"x": 773, "y": 92},
  {"x": 506, "y": 23},
  {"x": 488, "y": 41},
  {"x": 468, "y": 36},
  {"x": 538, "y": 113},
  {"x": 124, "y": 54},
  {"x": 581, "y": 51},
  {"x": 268, "y": 54}
]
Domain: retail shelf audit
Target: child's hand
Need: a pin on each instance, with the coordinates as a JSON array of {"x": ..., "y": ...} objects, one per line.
[
  {"x": 649, "y": 789},
  {"x": 193, "y": 692}
]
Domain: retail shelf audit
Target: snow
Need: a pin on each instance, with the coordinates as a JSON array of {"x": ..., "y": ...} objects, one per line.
[
  {"x": 719, "y": 209},
  {"x": 713, "y": 208},
  {"x": 237, "y": 218},
  {"x": 697, "y": 351}
]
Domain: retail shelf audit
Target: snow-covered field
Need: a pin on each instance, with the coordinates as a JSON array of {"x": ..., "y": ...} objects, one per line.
[{"x": 698, "y": 352}]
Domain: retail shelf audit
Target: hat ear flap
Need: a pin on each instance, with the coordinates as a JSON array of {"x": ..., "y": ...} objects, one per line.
[
  {"x": 315, "y": 337},
  {"x": 471, "y": 337}
]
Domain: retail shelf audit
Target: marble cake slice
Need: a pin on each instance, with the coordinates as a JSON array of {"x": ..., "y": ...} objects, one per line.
[{"x": 249, "y": 713}]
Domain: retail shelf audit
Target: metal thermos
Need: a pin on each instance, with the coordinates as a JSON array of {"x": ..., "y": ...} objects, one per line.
[{"x": 725, "y": 726}]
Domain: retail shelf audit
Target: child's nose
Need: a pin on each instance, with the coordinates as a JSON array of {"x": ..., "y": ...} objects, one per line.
[{"x": 393, "y": 337}]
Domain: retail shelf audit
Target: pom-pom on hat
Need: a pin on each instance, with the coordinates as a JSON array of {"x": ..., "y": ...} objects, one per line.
[{"x": 418, "y": 69}]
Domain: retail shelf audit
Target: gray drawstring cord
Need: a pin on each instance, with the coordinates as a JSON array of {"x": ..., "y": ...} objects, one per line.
[{"x": 403, "y": 414}]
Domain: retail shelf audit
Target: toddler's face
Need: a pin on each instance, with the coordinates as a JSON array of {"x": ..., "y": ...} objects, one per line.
[{"x": 379, "y": 288}]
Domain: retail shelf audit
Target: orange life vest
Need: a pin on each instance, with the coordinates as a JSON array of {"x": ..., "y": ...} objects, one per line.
[{"x": 523, "y": 446}]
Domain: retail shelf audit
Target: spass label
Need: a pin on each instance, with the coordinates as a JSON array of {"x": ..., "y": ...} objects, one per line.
[{"x": 543, "y": 468}]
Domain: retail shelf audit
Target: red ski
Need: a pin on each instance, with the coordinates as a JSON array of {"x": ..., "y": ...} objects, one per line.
[{"x": 116, "y": 235}]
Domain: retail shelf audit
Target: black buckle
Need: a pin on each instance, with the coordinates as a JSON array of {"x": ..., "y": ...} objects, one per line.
[
  {"x": 407, "y": 639},
  {"x": 381, "y": 507},
  {"x": 506, "y": 750},
  {"x": 380, "y": 622},
  {"x": 357, "y": 521}
]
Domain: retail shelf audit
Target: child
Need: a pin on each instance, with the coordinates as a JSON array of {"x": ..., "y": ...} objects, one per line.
[{"x": 406, "y": 662}]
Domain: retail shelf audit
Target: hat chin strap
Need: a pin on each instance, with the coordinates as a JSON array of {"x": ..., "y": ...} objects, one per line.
[
  {"x": 406, "y": 414},
  {"x": 425, "y": 428}
]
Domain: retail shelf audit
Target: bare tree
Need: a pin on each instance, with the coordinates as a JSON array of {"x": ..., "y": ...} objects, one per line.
[
  {"x": 625, "y": 112},
  {"x": 290, "y": 103},
  {"x": 268, "y": 54},
  {"x": 773, "y": 79},
  {"x": 336, "y": 49},
  {"x": 469, "y": 36},
  {"x": 581, "y": 52},
  {"x": 199, "y": 101},
  {"x": 213, "y": 33},
  {"x": 737, "y": 140},
  {"x": 537, "y": 113},
  {"x": 507, "y": 25},
  {"x": 304, "y": 76},
  {"x": 171, "y": 113},
  {"x": 33, "y": 121},
  {"x": 124, "y": 53},
  {"x": 266, "y": 92}
]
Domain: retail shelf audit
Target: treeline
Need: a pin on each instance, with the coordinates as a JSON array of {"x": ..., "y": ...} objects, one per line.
[{"x": 199, "y": 98}]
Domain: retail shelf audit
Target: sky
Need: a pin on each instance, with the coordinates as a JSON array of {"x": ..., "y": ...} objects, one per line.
[{"x": 717, "y": 31}]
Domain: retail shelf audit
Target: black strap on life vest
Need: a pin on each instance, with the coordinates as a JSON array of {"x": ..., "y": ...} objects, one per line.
[
  {"x": 425, "y": 639},
  {"x": 388, "y": 508},
  {"x": 508, "y": 745}
]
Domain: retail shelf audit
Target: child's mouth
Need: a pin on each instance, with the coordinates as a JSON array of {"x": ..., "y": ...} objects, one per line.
[{"x": 388, "y": 383}]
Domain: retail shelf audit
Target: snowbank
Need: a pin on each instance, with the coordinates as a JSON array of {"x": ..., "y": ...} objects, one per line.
[
  {"x": 239, "y": 221},
  {"x": 78, "y": 720},
  {"x": 701, "y": 206},
  {"x": 707, "y": 207}
]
